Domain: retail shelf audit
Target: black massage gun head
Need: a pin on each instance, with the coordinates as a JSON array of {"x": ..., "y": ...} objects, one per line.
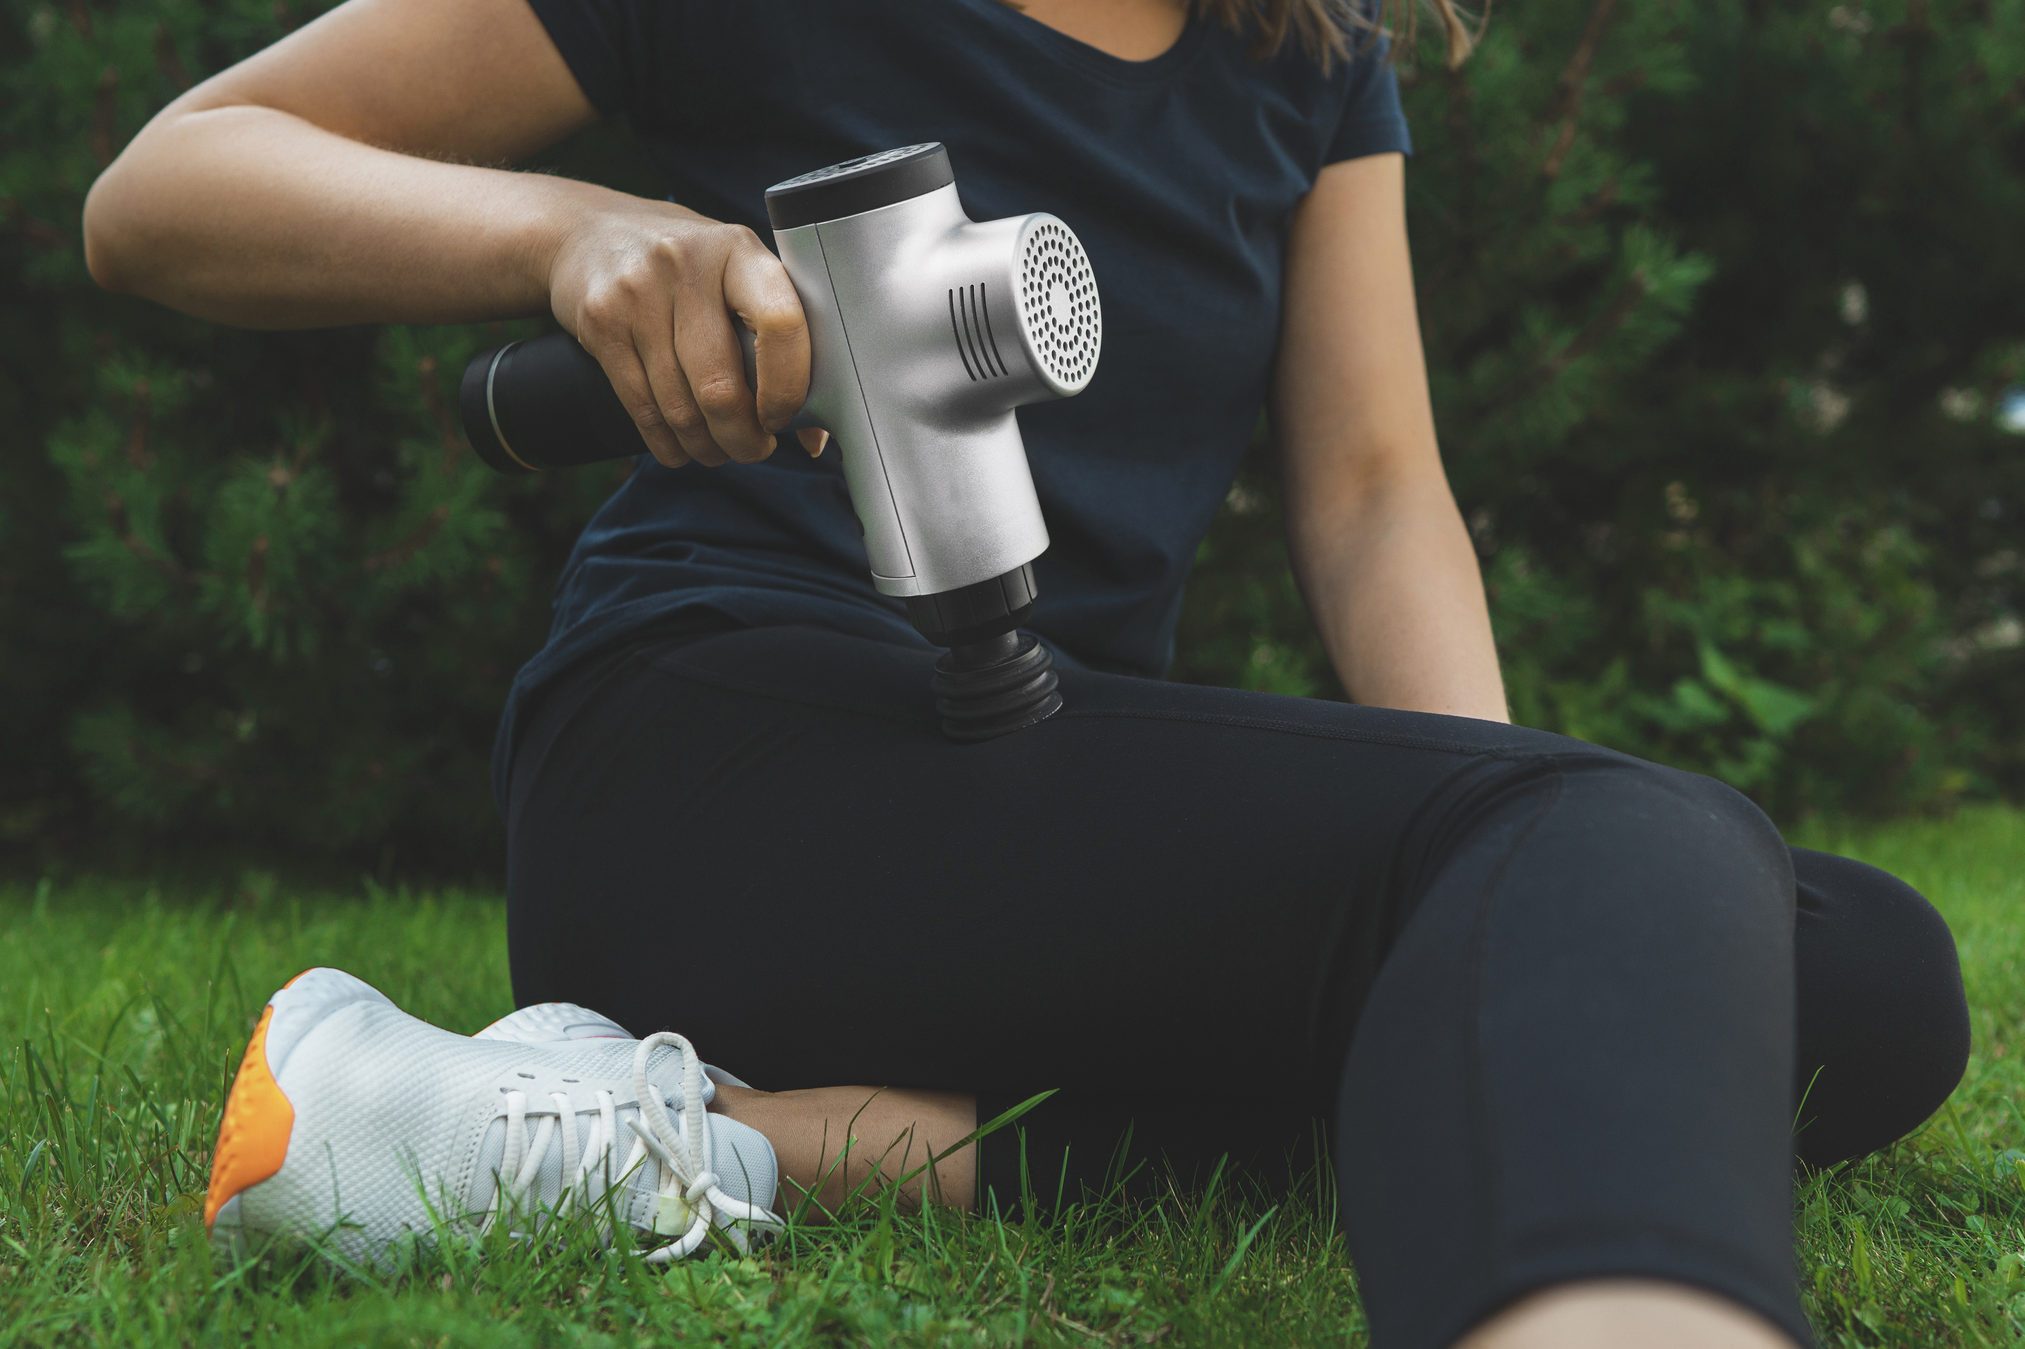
[
  {"x": 995, "y": 685},
  {"x": 994, "y": 678}
]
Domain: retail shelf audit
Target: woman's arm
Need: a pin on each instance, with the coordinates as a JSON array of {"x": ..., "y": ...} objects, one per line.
[
  {"x": 308, "y": 185},
  {"x": 336, "y": 177},
  {"x": 1377, "y": 543}
]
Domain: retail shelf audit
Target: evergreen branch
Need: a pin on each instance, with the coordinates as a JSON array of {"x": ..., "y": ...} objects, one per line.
[
  {"x": 1463, "y": 127},
  {"x": 123, "y": 529},
  {"x": 138, "y": 455},
  {"x": 439, "y": 413},
  {"x": 1598, "y": 330},
  {"x": 167, "y": 61},
  {"x": 1606, "y": 323},
  {"x": 399, "y": 553},
  {"x": 1574, "y": 77},
  {"x": 1601, "y": 200},
  {"x": 137, "y": 452},
  {"x": 34, "y": 229},
  {"x": 256, "y": 576},
  {"x": 1468, "y": 162},
  {"x": 105, "y": 115}
]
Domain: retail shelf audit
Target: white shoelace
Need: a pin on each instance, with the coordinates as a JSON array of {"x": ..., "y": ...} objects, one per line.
[{"x": 689, "y": 1190}]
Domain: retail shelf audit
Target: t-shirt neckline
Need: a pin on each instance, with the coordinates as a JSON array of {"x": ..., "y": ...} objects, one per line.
[{"x": 1092, "y": 60}]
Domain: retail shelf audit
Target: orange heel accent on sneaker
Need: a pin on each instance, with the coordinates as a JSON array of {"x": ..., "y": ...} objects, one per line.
[{"x": 253, "y": 1137}]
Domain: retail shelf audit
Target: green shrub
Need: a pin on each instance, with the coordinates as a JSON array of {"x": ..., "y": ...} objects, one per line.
[{"x": 1718, "y": 298}]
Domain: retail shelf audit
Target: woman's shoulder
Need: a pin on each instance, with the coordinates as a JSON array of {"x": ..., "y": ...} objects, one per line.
[{"x": 1325, "y": 105}]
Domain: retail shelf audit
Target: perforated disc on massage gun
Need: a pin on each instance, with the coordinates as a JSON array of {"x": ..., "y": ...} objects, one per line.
[{"x": 1059, "y": 309}]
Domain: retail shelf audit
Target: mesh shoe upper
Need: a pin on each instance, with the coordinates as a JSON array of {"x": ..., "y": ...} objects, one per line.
[{"x": 398, "y": 1123}]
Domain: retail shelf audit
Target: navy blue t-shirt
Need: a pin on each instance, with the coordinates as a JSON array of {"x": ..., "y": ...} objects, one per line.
[{"x": 1179, "y": 174}]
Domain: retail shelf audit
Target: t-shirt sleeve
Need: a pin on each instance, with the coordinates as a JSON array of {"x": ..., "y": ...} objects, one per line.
[
  {"x": 612, "y": 47},
  {"x": 1371, "y": 122}
]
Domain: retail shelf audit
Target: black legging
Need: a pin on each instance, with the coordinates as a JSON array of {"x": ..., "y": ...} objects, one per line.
[{"x": 1543, "y": 993}]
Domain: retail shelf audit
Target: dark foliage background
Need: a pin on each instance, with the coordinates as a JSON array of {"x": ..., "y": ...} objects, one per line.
[{"x": 1722, "y": 299}]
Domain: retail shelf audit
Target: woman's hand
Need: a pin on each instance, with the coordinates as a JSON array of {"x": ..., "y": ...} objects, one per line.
[{"x": 650, "y": 289}]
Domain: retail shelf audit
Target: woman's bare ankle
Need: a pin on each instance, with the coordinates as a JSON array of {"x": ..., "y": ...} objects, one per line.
[{"x": 833, "y": 1142}]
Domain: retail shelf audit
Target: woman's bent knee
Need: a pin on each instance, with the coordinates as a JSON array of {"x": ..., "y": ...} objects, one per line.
[
  {"x": 1883, "y": 1022},
  {"x": 1703, "y": 842}
]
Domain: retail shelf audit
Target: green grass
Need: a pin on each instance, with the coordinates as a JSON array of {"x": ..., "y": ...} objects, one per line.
[{"x": 123, "y": 1011}]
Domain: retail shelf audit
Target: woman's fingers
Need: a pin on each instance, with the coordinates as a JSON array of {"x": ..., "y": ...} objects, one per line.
[
  {"x": 651, "y": 293},
  {"x": 757, "y": 289},
  {"x": 623, "y": 366},
  {"x": 655, "y": 343},
  {"x": 707, "y": 349},
  {"x": 679, "y": 403}
]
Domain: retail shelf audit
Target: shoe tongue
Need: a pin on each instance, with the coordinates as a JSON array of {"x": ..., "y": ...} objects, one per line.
[
  {"x": 633, "y": 1195},
  {"x": 664, "y": 1070},
  {"x": 742, "y": 1158},
  {"x": 744, "y": 1161}
]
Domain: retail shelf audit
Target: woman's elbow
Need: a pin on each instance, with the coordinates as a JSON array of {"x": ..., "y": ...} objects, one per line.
[
  {"x": 108, "y": 231},
  {"x": 129, "y": 214}
]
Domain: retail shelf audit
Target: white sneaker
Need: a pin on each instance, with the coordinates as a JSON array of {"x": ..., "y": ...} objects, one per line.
[
  {"x": 547, "y": 1023},
  {"x": 352, "y": 1124},
  {"x": 543, "y": 1023}
]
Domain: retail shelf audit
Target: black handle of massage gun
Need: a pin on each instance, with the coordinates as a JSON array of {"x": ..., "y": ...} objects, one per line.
[{"x": 546, "y": 403}]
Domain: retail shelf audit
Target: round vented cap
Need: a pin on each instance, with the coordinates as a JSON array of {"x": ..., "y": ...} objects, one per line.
[
  {"x": 859, "y": 185},
  {"x": 1058, "y": 304}
]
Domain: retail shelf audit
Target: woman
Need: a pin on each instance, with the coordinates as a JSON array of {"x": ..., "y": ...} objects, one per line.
[{"x": 1543, "y": 994}]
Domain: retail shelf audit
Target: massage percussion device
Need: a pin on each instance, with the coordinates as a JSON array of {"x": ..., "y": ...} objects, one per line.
[{"x": 926, "y": 329}]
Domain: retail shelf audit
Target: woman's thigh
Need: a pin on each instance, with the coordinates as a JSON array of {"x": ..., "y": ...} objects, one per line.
[{"x": 761, "y": 839}]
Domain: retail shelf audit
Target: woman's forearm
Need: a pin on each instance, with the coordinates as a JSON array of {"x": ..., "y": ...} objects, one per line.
[
  {"x": 335, "y": 177},
  {"x": 1393, "y": 583},
  {"x": 253, "y": 216}
]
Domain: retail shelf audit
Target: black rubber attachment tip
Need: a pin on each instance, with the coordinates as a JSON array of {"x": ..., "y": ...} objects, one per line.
[{"x": 988, "y": 688}]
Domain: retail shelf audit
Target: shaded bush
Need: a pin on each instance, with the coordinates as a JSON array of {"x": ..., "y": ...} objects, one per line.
[{"x": 1718, "y": 300}]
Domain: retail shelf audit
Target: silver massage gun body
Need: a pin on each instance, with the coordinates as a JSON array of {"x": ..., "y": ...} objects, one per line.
[{"x": 927, "y": 329}]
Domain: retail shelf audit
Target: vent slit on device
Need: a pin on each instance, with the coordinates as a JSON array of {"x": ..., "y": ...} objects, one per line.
[
  {"x": 953, "y": 332},
  {"x": 970, "y": 337},
  {"x": 984, "y": 321}
]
